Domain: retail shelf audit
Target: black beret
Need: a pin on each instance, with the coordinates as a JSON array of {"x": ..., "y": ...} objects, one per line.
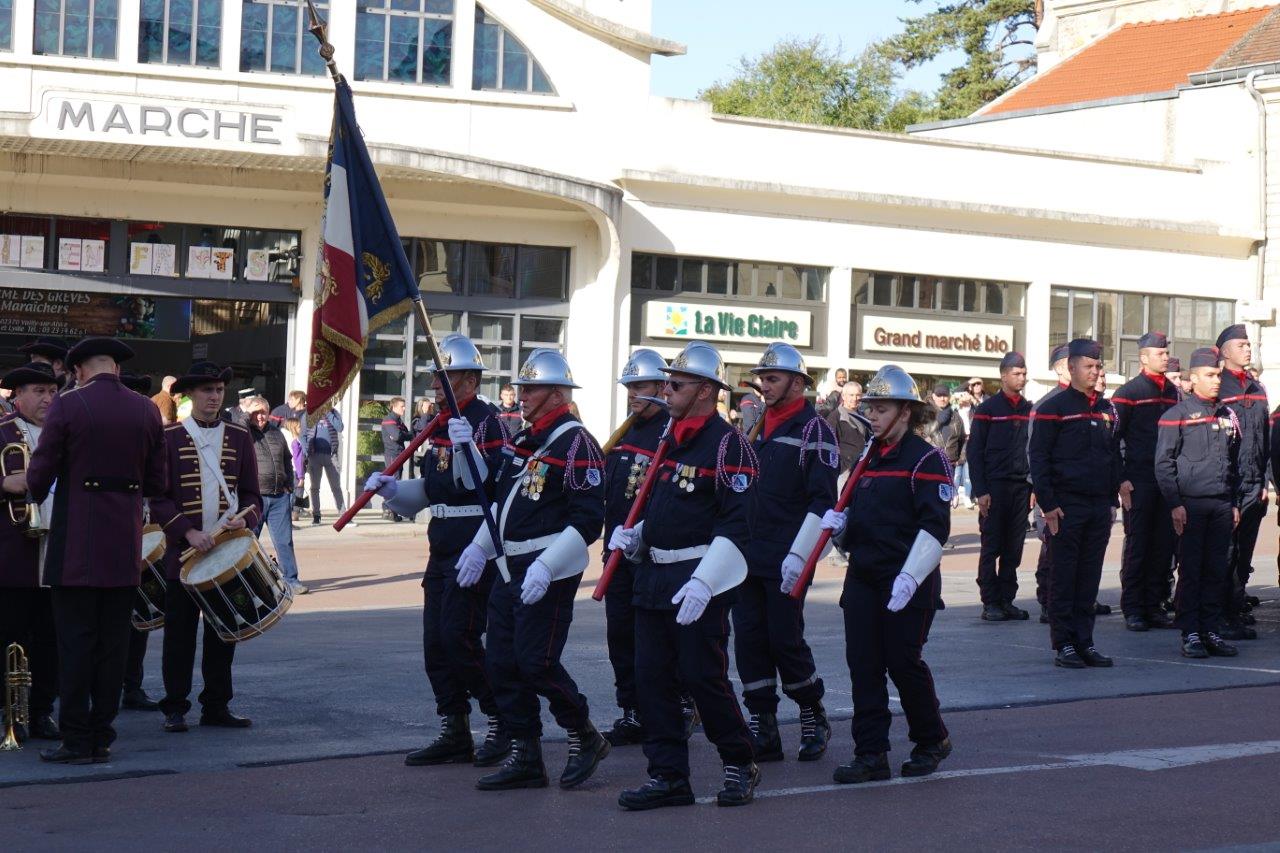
[
  {"x": 1205, "y": 357},
  {"x": 1012, "y": 360},
  {"x": 89, "y": 347},
  {"x": 201, "y": 373},
  {"x": 1234, "y": 332},
  {"x": 47, "y": 346},
  {"x": 1058, "y": 353},
  {"x": 1084, "y": 347},
  {"x": 1153, "y": 340},
  {"x": 28, "y": 374},
  {"x": 942, "y": 390},
  {"x": 1174, "y": 366},
  {"x": 134, "y": 382}
]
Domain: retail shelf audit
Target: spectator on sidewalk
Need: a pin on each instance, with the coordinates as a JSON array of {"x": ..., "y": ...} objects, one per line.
[
  {"x": 965, "y": 405},
  {"x": 509, "y": 410},
  {"x": 294, "y": 407},
  {"x": 275, "y": 484},
  {"x": 830, "y": 401},
  {"x": 946, "y": 432},
  {"x": 320, "y": 439},
  {"x": 395, "y": 435},
  {"x": 293, "y": 428}
]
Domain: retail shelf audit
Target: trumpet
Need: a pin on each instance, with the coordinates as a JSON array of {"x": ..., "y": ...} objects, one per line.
[
  {"x": 23, "y": 512},
  {"x": 17, "y": 694}
]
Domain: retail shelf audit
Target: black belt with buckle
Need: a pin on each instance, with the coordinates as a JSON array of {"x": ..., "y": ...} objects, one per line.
[{"x": 118, "y": 485}]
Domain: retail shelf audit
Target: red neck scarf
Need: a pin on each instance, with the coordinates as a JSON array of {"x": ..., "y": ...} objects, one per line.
[
  {"x": 776, "y": 416},
  {"x": 1014, "y": 399},
  {"x": 1062, "y": 384},
  {"x": 544, "y": 423},
  {"x": 1159, "y": 379},
  {"x": 684, "y": 428},
  {"x": 1241, "y": 377},
  {"x": 886, "y": 449},
  {"x": 1092, "y": 397}
]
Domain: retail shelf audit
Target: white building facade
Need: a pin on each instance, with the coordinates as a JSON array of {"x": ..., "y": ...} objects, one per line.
[{"x": 161, "y": 168}]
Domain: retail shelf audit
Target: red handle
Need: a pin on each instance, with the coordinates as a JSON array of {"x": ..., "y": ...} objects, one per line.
[
  {"x": 642, "y": 497},
  {"x": 392, "y": 469},
  {"x": 846, "y": 495}
]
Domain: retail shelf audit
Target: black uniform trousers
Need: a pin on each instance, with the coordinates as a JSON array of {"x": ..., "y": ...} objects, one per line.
[
  {"x": 137, "y": 654},
  {"x": 672, "y": 658},
  {"x": 1003, "y": 533},
  {"x": 1202, "y": 574},
  {"x": 523, "y": 657},
  {"x": 1148, "y": 551},
  {"x": 93, "y": 645},
  {"x": 620, "y": 633},
  {"x": 879, "y": 642},
  {"x": 1240, "y": 562},
  {"x": 768, "y": 641},
  {"x": 1077, "y": 553},
  {"x": 182, "y": 617},
  {"x": 453, "y": 623},
  {"x": 26, "y": 618}
]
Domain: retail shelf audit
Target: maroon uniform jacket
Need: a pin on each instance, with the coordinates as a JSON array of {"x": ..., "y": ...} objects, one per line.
[
  {"x": 179, "y": 508},
  {"x": 104, "y": 447},
  {"x": 19, "y": 553}
]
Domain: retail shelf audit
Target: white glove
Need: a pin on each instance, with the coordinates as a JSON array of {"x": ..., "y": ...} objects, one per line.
[
  {"x": 904, "y": 586},
  {"x": 624, "y": 539},
  {"x": 693, "y": 598},
  {"x": 384, "y": 485},
  {"x": 470, "y": 565},
  {"x": 792, "y": 566},
  {"x": 536, "y": 581},
  {"x": 460, "y": 431},
  {"x": 834, "y": 520}
]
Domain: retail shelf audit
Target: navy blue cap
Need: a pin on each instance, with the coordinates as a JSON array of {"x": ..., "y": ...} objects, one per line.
[
  {"x": 1058, "y": 353},
  {"x": 1084, "y": 347},
  {"x": 1205, "y": 357},
  {"x": 1153, "y": 340},
  {"x": 1013, "y": 359},
  {"x": 1234, "y": 332},
  {"x": 1174, "y": 366}
]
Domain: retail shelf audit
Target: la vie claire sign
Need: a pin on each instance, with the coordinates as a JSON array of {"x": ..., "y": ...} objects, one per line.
[
  {"x": 726, "y": 323},
  {"x": 910, "y": 335}
]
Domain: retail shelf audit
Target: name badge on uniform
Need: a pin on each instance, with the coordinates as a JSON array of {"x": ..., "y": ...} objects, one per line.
[
  {"x": 945, "y": 492},
  {"x": 738, "y": 482},
  {"x": 593, "y": 476}
]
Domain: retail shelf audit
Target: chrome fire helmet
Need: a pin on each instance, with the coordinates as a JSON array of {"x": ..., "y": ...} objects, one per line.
[
  {"x": 457, "y": 352},
  {"x": 784, "y": 357},
  {"x": 892, "y": 383},
  {"x": 645, "y": 365},
  {"x": 546, "y": 366},
  {"x": 701, "y": 360}
]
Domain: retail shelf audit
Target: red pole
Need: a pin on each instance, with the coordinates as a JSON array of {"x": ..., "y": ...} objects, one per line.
[
  {"x": 642, "y": 497},
  {"x": 846, "y": 495},
  {"x": 392, "y": 469}
]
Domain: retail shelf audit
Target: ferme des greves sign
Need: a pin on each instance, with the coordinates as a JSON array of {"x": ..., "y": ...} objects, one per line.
[{"x": 691, "y": 321}]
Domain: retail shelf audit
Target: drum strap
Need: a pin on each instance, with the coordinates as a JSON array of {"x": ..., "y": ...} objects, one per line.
[{"x": 210, "y": 460}]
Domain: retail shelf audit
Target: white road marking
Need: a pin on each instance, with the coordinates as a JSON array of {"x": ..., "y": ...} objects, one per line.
[{"x": 1149, "y": 760}]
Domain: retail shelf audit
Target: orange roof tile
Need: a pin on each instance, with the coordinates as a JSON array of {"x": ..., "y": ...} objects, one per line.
[{"x": 1136, "y": 59}]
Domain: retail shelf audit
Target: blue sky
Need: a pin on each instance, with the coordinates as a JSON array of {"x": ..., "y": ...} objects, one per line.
[{"x": 718, "y": 32}]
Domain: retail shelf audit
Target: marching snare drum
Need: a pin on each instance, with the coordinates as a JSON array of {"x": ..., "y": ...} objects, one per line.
[
  {"x": 148, "y": 606},
  {"x": 237, "y": 586}
]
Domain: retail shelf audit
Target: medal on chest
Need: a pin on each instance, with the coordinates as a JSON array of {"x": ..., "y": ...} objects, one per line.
[
  {"x": 684, "y": 477},
  {"x": 534, "y": 480},
  {"x": 442, "y": 458},
  {"x": 636, "y": 475}
]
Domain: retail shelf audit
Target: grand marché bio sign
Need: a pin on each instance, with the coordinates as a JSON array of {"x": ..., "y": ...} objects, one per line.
[{"x": 715, "y": 323}]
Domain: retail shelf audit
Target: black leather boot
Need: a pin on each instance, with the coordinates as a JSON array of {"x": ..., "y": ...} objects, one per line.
[
  {"x": 496, "y": 746},
  {"x": 626, "y": 730},
  {"x": 863, "y": 768},
  {"x": 766, "y": 737},
  {"x": 587, "y": 747},
  {"x": 994, "y": 613},
  {"x": 740, "y": 782},
  {"x": 522, "y": 769},
  {"x": 452, "y": 746},
  {"x": 815, "y": 732},
  {"x": 925, "y": 759},
  {"x": 1015, "y": 613},
  {"x": 656, "y": 794}
]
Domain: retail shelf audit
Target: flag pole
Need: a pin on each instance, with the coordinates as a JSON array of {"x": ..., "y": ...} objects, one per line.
[{"x": 320, "y": 31}]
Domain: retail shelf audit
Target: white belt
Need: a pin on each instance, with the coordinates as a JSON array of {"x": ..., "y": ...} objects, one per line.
[
  {"x": 447, "y": 511},
  {"x": 528, "y": 546},
  {"x": 677, "y": 555}
]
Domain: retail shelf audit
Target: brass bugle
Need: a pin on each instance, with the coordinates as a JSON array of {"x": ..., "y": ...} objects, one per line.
[
  {"x": 17, "y": 696},
  {"x": 23, "y": 512}
]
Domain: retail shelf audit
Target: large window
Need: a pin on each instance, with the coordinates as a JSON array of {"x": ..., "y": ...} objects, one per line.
[
  {"x": 69, "y": 27},
  {"x": 274, "y": 37},
  {"x": 502, "y": 62},
  {"x": 6, "y": 24},
  {"x": 404, "y": 41},
  {"x": 746, "y": 279},
  {"x": 1117, "y": 320},
  {"x": 932, "y": 293},
  {"x": 490, "y": 269},
  {"x": 180, "y": 32}
]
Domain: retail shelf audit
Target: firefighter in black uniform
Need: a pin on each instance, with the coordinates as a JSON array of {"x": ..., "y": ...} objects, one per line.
[
  {"x": 627, "y": 455},
  {"x": 894, "y": 529},
  {"x": 549, "y": 505},
  {"x": 1075, "y": 474},
  {"x": 997, "y": 453},
  {"x": 1148, "y": 533},
  {"x": 1197, "y": 467},
  {"x": 689, "y": 560},
  {"x": 395, "y": 435},
  {"x": 1058, "y": 361},
  {"x": 799, "y": 460},
  {"x": 453, "y": 616},
  {"x": 1248, "y": 400}
]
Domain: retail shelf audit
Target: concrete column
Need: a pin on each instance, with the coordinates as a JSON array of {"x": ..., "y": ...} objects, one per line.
[
  {"x": 839, "y": 310},
  {"x": 1036, "y": 348}
]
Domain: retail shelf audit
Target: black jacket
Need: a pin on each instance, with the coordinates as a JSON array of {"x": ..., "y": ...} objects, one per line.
[
  {"x": 1073, "y": 452},
  {"x": 1249, "y": 401},
  {"x": 275, "y": 461},
  {"x": 998, "y": 444},
  {"x": 1197, "y": 452},
  {"x": 395, "y": 435},
  {"x": 947, "y": 432},
  {"x": 1140, "y": 404},
  {"x": 851, "y": 435},
  {"x": 625, "y": 468}
]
